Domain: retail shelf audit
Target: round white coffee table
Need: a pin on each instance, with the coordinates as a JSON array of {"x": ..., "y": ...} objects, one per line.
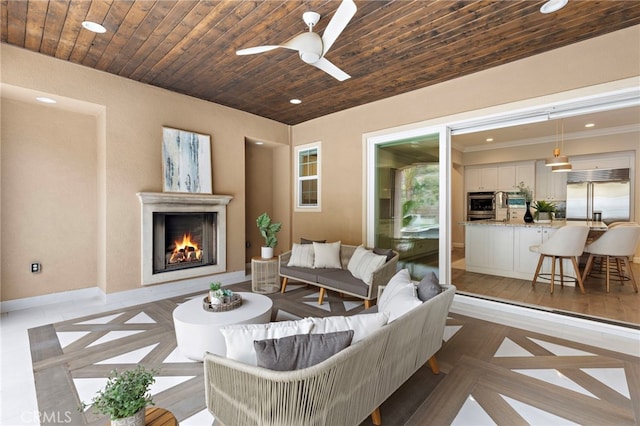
[{"x": 198, "y": 331}]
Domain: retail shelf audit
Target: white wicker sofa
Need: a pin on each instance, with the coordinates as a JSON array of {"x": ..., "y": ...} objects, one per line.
[
  {"x": 340, "y": 280},
  {"x": 342, "y": 390}
]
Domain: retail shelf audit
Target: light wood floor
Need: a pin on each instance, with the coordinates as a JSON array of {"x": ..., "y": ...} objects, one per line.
[{"x": 621, "y": 304}]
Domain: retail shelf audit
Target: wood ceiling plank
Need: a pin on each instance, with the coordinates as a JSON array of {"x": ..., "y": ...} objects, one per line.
[
  {"x": 174, "y": 45},
  {"x": 122, "y": 39},
  {"x": 36, "y": 16},
  {"x": 72, "y": 27},
  {"x": 4, "y": 20},
  {"x": 112, "y": 21},
  {"x": 56, "y": 15},
  {"x": 158, "y": 22},
  {"x": 16, "y": 22},
  {"x": 97, "y": 12}
]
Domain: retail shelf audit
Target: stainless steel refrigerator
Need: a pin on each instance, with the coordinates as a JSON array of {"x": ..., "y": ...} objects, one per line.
[{"x": 606, "y": 191}]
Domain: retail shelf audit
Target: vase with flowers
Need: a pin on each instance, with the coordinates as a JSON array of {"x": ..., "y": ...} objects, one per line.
[{"x": 527, "y": 194}]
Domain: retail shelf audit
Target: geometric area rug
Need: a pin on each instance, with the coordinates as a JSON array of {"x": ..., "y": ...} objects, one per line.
[{"x": 490, "y": 373}]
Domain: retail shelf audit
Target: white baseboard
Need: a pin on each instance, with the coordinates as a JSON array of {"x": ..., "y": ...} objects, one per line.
[
  {"x": 136, "y": 296},
  {"x": 602, "y": 334}
]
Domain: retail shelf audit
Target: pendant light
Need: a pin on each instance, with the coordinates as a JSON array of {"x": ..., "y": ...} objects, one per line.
[
  {"x": 557, "y": 159},
  {"x": 563, "y": 168}
]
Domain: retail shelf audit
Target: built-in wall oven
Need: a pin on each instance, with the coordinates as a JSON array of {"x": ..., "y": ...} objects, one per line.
[{"x": 480, "y": 206}]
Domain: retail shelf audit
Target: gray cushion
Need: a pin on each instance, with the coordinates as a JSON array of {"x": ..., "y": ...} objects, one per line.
[
  {"x": 385, "y": 252},
  {"x": 342, "y": 280},
  {"x": 308, "y": 241},
  {"x": 305, "y": 274},
  {"x": 300, "y": 350},
  {"x": 428, "y": 287}
]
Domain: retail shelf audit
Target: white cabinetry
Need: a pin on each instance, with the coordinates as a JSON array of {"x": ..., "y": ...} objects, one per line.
[
  {"x": 510, "y": 176},
  {"x": 505, "y": 177},
  {"x": 503, "y": 250},
  {"x": 549, "y": 185},
  {"x": 481, "y": 179},
  {"x": 489, "y": 247}
]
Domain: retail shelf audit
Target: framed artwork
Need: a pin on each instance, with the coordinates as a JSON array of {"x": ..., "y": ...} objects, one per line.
[{"x": 186, "y": 161}]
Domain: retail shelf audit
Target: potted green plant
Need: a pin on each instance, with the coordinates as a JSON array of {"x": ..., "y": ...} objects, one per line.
[
  {"x": 544, "y": 211},
  {"x": 268, "y": 231},
  {"x": 125, "y": 397}
]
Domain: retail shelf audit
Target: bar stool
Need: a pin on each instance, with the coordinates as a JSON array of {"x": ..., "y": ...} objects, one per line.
[
  {"x": 567, "y": 243},
  {"x": 618, "y": 243}
]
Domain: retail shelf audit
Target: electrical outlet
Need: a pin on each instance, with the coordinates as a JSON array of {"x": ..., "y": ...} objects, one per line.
[{"x": 35, "y": 267}]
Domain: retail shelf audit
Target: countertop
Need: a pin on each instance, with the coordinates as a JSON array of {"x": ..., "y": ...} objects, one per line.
[{"x": 519, "y": 223}]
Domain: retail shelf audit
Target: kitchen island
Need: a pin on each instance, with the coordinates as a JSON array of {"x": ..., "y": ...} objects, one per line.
[{"x": 501, "y": 248}]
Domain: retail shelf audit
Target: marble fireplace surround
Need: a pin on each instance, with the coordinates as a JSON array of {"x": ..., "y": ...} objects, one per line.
[{"x": 161, "y": 202}]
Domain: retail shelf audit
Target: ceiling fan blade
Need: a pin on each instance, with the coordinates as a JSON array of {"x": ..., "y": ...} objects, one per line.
[
  {"x": 343, "y": 15},
  {"x": 332, "y": 70},
  {"x": 256, "y": 49}
]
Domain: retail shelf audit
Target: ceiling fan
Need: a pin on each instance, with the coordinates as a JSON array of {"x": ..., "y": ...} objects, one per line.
[{"x": 310, "y": 46}]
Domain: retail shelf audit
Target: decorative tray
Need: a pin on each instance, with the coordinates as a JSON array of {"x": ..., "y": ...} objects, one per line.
[{"x": 228, "y": 304}]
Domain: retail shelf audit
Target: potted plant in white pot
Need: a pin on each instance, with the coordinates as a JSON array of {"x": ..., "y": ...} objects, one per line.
[
  {"x": 544, "y": 211},
  {"x": 268, "y": 231},
  {"x": 125, "y": 397}
]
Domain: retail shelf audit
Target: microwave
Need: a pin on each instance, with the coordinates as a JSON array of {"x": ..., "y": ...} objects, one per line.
[{"x": 515, "y": 200}]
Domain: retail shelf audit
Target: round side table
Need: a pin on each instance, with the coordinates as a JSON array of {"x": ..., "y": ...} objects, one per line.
[
  {"x": 198, "y": 331},
  {"x": 264, "y": 275}
]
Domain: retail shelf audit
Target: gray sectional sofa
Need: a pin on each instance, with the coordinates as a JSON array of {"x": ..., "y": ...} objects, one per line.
[{"x": 340, "y": 280}]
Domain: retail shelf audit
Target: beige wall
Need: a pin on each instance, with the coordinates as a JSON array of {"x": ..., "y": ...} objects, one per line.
[
  {"x": 127, "y": 152},
  {"x": 609, "y": 58},
  {"x": 48, "y": 198}
]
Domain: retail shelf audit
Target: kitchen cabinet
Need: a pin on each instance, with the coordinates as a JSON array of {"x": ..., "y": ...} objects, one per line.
[
  {"x": 510, "y": 176},
  {"x": 481, "y": 178},
  {"x": 489, "y": 247},
  {"x": 550, "y": 186},
  {"x": 502, "y": 249},
  {"x": 505, "y": 177}
]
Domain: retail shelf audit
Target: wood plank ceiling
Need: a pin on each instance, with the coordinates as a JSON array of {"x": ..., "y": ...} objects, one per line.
[{"x": 388, "y": 48}]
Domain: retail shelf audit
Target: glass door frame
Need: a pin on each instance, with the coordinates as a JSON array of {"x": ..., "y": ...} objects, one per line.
[{"x": 444, "y": 148}]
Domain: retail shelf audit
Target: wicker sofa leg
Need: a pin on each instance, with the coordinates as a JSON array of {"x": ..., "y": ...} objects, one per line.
[
  {"x": 284, "y": 285},
  {"x": 376, "y": 419},
  {"x": 321, "y": 297},
  {"x": 433, "y": 363},
  {"x": 367, "y": 303}
]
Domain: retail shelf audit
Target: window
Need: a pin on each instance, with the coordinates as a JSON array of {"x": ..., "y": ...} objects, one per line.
[{"x": 308, "y": 177}]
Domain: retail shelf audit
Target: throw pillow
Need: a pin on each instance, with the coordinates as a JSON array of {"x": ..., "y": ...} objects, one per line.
[
  {"x": 327, "y": 255},
  {"x": 428, "y": 287},
  {"x": 399, "y": 296},
  {"x": 301, "y": 255},
  {"x": 385, "y": 252},
  {"x": 239, "y": 338},
  {"x": 300, "y": 350},
  {"x": 363, "y": 264},
  {"x": 308, "y": 241},
  {"x": 362, "y": 325}
]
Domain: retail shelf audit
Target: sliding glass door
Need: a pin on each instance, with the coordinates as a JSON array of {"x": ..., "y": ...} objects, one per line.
[{"x": 408, "y": 199}]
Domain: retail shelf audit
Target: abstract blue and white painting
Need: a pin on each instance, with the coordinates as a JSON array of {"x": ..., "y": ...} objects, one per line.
[{"x": 186, "y": 161}]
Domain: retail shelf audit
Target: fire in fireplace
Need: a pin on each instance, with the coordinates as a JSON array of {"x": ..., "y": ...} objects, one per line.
[{"x": 183, "y": 240}]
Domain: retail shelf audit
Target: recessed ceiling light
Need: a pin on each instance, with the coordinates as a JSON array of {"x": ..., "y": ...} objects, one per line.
[
  {"x": 589, "y": 125},
  {"x": 489, "y": 139},
  {"x": 93, "y": 26},
  {"x": 553, "y": 6},
  {"x": 46, "y": 100},
  {"x": 259, "y": 143},
  {"x": 295, "y": 101}
]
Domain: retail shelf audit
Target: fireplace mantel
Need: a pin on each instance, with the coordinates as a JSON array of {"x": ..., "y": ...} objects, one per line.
[{"x": 160, "y": 202}]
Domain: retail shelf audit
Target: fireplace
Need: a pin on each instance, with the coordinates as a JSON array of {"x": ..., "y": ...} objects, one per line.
[
  {"x": 183, "y": 240},
  {"x": 183, "y": 235}
]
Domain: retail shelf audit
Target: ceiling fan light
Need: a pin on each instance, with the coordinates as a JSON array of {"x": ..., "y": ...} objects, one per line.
[
  {"x": 309, "y": 57},
  {"x": 562, "y": 168},
  {"x": 553, "y": 6}
]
